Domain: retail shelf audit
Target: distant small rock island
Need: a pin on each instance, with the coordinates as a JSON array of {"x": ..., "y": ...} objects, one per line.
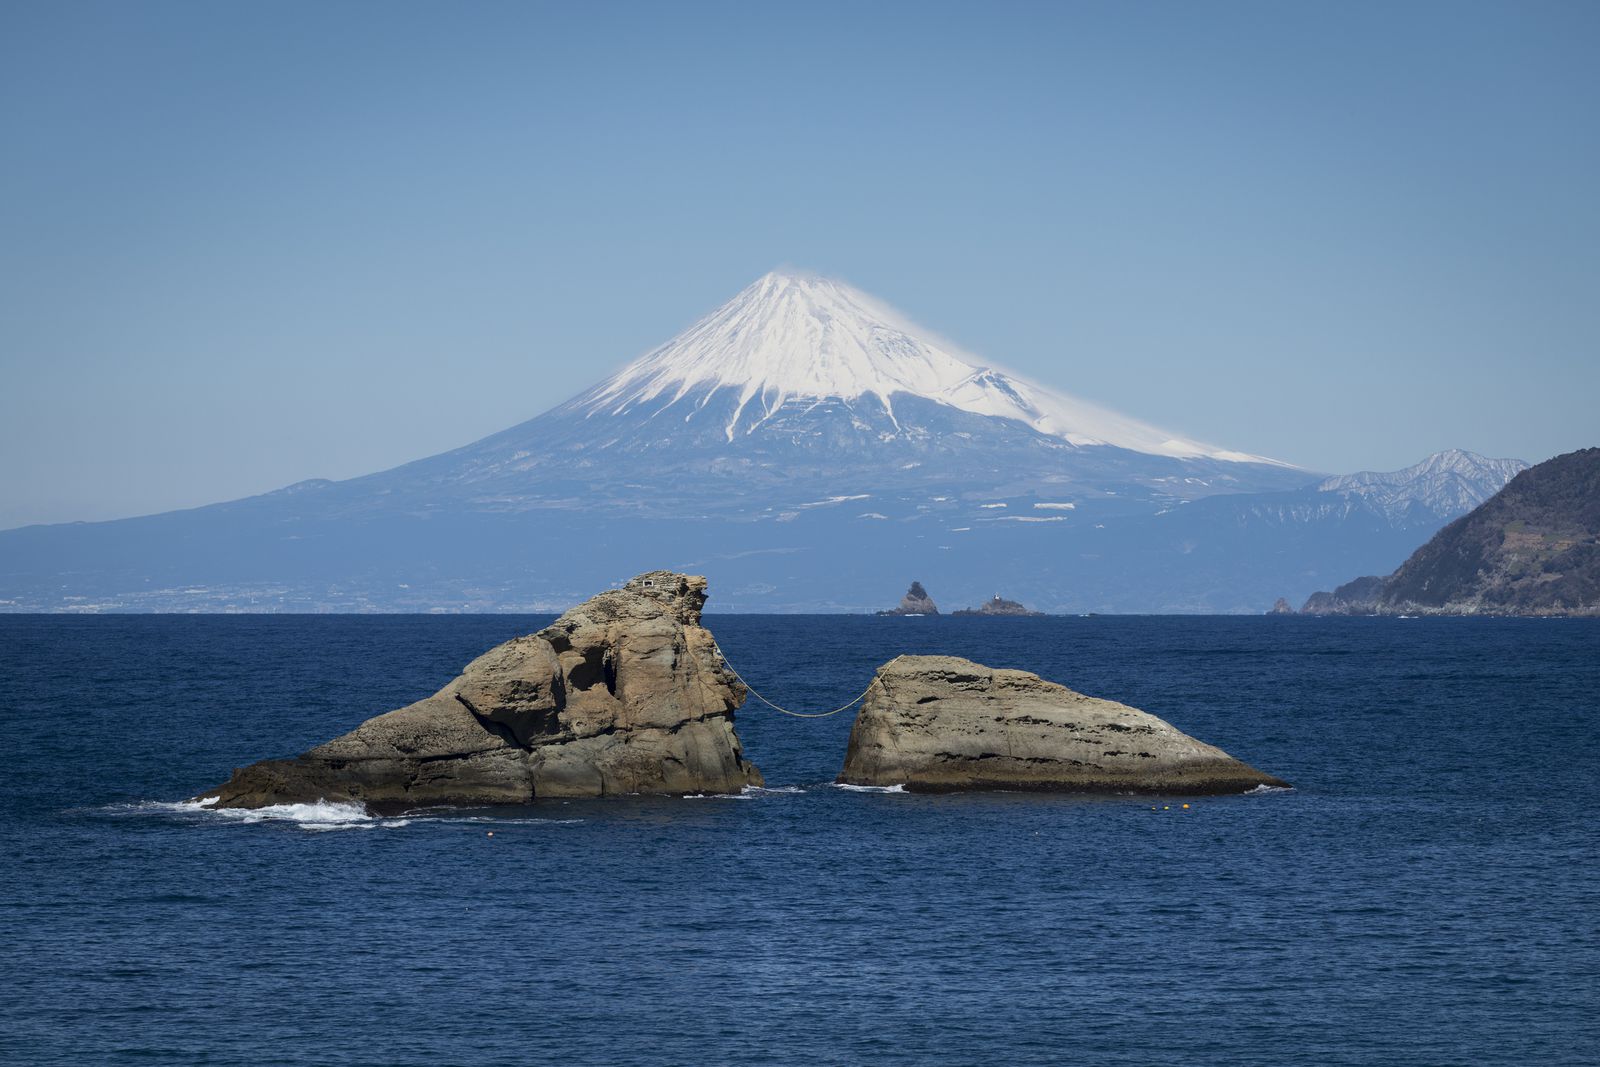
[
  {"x": 1531, "y": 549},
  {"x": 915, "y": 602},
  {"x": 1281, "y": 607},
  {"x": 998, "y": 605}
]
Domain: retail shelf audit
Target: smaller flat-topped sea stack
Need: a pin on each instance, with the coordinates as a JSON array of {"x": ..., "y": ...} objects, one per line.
[
  {"x": 915, "y": 602},
  {"x": 940, "y": 724},
  {"x": 999, "y": 606},
  {"x": 625, "y": 693}
]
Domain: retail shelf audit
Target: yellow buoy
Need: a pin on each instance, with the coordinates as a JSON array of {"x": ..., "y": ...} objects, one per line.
[{"x": 1186, "y": 807}]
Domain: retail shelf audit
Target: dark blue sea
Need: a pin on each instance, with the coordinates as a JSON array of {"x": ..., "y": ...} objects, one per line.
[{"x": 1429, "y": 893}]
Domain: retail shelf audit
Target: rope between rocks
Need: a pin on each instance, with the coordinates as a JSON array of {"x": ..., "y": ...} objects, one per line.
[{"x": 785, "y": 711}]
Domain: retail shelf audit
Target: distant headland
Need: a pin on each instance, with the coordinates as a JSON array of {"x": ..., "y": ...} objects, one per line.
[{"x": 1531, "y": 549}]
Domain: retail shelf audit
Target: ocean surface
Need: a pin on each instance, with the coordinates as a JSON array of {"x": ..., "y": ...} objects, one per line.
[{"x": 1429, "y": 893}]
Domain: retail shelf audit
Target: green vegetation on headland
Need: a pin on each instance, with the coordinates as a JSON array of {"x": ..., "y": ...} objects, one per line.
[{"x": 1531, "y": 549}]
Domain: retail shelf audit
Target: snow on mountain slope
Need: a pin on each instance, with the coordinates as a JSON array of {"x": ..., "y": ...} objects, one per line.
[
  {"x": 793, "y": 338},
  {"x": 1452, "y": 482},
  {"x": 1424, "y": 495}
]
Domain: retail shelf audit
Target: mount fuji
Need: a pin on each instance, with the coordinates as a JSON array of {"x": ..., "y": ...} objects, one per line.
[
  {"x": 791, "y": 344},
  {"x": 803, "y": 444},
  {"x": 802, "y": 382}
]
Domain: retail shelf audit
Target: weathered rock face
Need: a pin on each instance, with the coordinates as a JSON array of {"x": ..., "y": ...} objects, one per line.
[
  {"x": 915, "y": 602},
  {"x": 939, "y": 724},
  {"x": 1359, "y": 597},
  {"x": 625, "y": 693},
  {"x": 1281, "y": 607}
]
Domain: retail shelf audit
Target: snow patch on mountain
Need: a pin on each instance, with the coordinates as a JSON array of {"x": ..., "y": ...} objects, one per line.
[
  {"x": 1451, "y": 482},
  {"x": 794, "y": 338}
]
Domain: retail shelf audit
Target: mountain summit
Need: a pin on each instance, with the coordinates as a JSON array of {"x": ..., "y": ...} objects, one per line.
[{"x": 790, "y": 340}]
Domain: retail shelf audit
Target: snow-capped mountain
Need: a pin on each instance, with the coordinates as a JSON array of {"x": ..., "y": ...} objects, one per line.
[
  {"x": 801, "y": 389},
  {"x": 791, "y": 341},
  {"x": 1274, "y": 544},
  {"x": 1424, "y": 495},
  {"x": 1452, "y": 483},
  {"x": 807, "y": 448}
]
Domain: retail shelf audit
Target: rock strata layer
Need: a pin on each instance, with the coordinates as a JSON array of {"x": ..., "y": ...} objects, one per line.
[
  {"x": 625, "y": 693},
  {"x": 940, "y": 724}
]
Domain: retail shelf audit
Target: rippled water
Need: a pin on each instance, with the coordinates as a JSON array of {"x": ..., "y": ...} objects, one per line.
[{"x": 1428, "y": 894}]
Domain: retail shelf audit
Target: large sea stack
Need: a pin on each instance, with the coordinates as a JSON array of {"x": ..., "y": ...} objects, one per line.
[
  {"x": 625, "y": 693},
  {"x": 940, "y": 724}
]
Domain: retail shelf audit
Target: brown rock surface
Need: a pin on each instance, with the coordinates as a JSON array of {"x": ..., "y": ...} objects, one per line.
[
  {"x": 625, "y": 693},
  {"x": 915, "y": 602},
  {"x": 940, "y": 724}
]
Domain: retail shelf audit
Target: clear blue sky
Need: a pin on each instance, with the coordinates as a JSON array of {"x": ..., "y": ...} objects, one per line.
[{"x": 246, "y": 244}]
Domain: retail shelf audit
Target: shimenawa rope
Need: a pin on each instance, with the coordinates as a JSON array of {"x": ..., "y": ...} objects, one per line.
[{"x": 786, "y": 711}]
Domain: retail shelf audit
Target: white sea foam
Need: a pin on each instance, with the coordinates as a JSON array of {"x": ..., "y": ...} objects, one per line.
[
  {"x": 322, "y": 816},
  {"x": 1262, "y": 790},
  {"x": 493, "y": 821},
  {"x": 749, "y": 792},
  {"x": 870, "y": 788}
]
